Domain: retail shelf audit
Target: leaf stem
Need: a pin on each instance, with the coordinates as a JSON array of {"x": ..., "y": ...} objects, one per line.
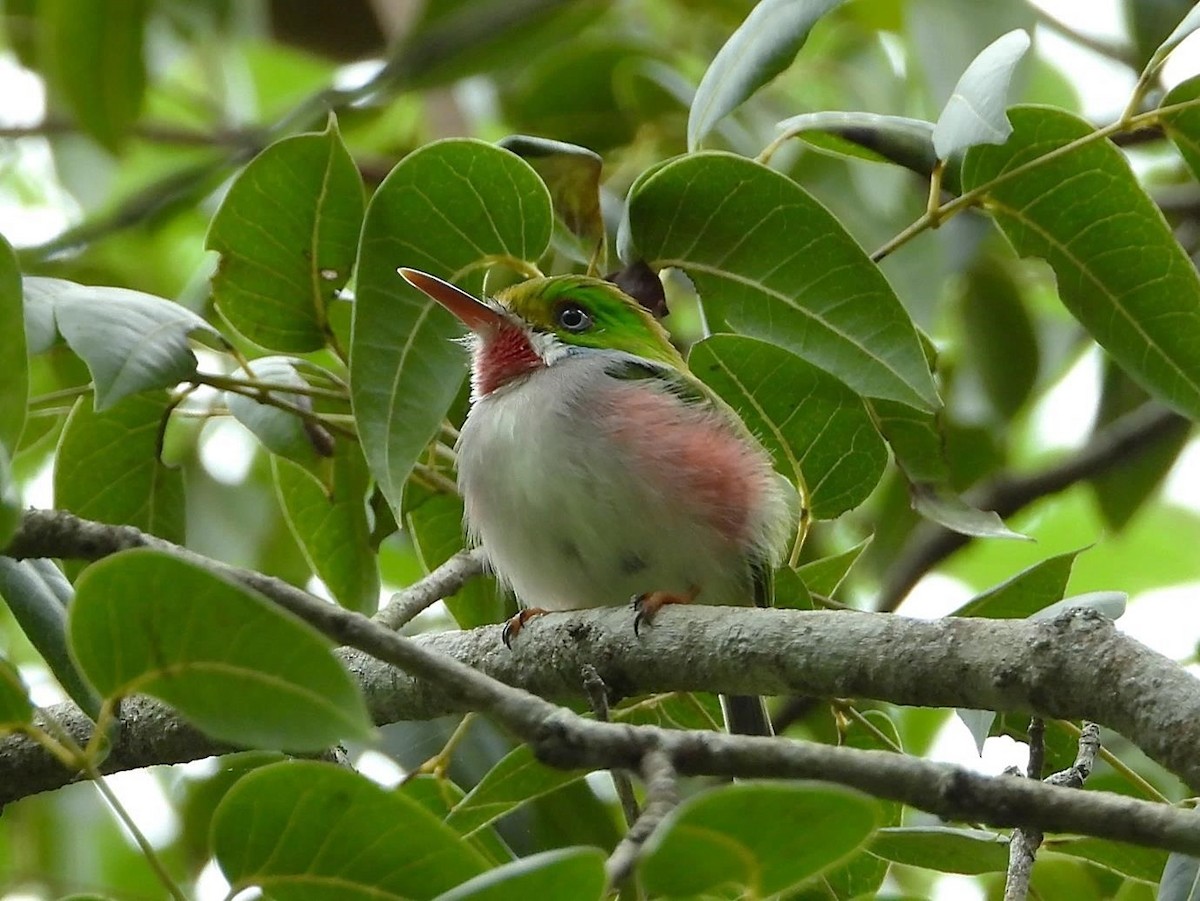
[
  {"x": 1129, "y": 774},
  {"x": 265, "y": 397},
  {"x": 931, "y": 219},
  {"x": 63, "y": 394},
  {"x": 229, "y": 383}
]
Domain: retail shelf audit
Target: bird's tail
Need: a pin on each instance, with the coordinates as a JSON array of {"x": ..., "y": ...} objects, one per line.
[{"x": 746, "y": 715}]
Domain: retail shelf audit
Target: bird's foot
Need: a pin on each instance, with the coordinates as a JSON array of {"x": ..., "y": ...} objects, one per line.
[
  {"x": 648, "y": 604},
  {"x": 515, "y": 624}
]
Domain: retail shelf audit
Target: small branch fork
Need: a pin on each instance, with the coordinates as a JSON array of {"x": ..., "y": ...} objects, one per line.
[
  {"x": 1023, "y": 847},
  {"x": 1011, "y": 665}
]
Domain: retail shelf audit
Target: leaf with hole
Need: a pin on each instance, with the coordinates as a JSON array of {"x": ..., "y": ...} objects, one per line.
[
  {"x": 1120, "y": 270},
  {"x": 762, "y": 46},
  {"x": 231, "y": 662},
  {"x": 716, "y": 839},
  {"x": 303, "y": 830},
  {"x": 771, "y": 263},
  {"x": 447, "y": 207},
  {"x": 287, "y": 232},
  {"x": 817, "y": 430}
]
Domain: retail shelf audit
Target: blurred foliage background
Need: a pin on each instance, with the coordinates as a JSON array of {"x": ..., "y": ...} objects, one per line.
[{"x": 122, "y": 123}]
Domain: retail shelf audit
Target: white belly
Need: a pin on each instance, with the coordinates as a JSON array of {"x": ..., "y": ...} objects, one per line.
[{"x": 561, "y": 514}]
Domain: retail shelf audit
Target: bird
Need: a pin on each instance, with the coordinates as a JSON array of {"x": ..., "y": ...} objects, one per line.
[{"x": 595, "y": 468}]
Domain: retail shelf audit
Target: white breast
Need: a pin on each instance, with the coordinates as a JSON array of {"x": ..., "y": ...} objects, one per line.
[{"x": 562, "y": 515}]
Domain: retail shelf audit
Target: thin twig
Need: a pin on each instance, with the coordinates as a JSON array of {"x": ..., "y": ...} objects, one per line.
[
  {"x": 662, "y": 796},
  {"x": 442, "y": 582},
  {"x": 597, "y": 694}
]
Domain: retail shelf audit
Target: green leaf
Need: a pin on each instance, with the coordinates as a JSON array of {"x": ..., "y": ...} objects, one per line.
[
  {"x": 10, "y": 499},
  {"x": 1189, "y": 23},
  {"x": 718, "y": 838},
  {"x": 108, "y": 467},
  {"x": 287, "y": 232},
  {"x": 304, "y": 830},
  {"x": 992, "y": 305},
  {"x": 1027, "y": 592},
  {"x": 825, "y": 576},
  {"x": 954, "y": 513},
  {"x": 770, "y": 262},
  {"x": 13, "y": 356},
  {"x": 572, "y": 175},
  {"x": 515, "y": 780},
  {"x": 1107, "y": 603},
  {"x": 974, "y": 114},
  {"x": 817, "y": 430},
  {"x": 330, "y": 523},
  {"x": 1120, "y": 270},
  {"x": 130, "y": 341},
  {"x": 1180, "y": 879},
  {"x": 978, "y": 723},
  {"x": 234, "y": 664},
  {"x": 762, "y": 47},
  {"x": 576, "y": 874},
  {"x": 37, "y": 594},
  {"x": 15, "y": 707},
  {"x": 281, "y": 432},
  {"x": 445, "y": 207},
  {"x": 96, "y": 62},
  {"x": 1183, "y": 126},
  {"x": 1143, "y": 864},
  {"x": 916, "y": 440},
  {"x": 436, "y": 529},
  {"x": 870, "y": 136},
  {"x": 439, "y": 796},
  {"x": 944, "y": 849},
  {"x": 1150, "y": 22}
]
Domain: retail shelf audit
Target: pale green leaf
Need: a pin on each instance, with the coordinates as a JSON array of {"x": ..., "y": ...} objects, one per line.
[{"x": 975, "y": 112}]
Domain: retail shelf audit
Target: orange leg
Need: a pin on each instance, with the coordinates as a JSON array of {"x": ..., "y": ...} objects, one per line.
[
  {"x": 513, "y": 627},
  {"x": 647, "y": 605}
]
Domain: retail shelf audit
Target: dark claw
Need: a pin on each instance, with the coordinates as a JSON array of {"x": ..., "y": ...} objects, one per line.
[
  {"x": 506, "y": 634},
  {"x": 636, "y": 603}
]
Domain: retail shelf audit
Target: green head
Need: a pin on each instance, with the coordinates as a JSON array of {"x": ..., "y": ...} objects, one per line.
[{"x": 587, "y": 312}]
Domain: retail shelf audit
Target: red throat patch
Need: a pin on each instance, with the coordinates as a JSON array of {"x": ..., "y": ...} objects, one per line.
[{"x": 502, "y": 357}]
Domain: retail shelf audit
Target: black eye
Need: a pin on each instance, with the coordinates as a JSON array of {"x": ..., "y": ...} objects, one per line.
[{"x": 574, "y": 318}]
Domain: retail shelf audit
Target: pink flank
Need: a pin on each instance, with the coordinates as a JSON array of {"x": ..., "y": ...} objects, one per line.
[
  {"x": 505, "y": 354},
  {"x": 699, "y": 461}
]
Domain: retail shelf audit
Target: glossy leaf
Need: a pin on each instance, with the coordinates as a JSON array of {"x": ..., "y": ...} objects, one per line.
[
  {"x": 957, "y": 515},
  {"x": 108, "y": 468},
  {"x": 287, "y": 232},
  {"x": 1027, "y": 592},
  {"x": 817, "y": 430},
  {"x": 439, "y": 795},
  {"x": 771, "y": 263},
  {"x": 916, "y": 440},
  {"x": 234, "y": 664},
  {"x": 97, "y": 63},
  {"x": 1186, "y": 26},
  {"x": 762, "y": 47},
  {"x": 945, "y": 849},
  {"x": 39, "y": 296},
  {"x": 444, "y": 208},
  {"x": 825, "y": 576},
  {"x": 10, "y": 499},
  {"x": 130, "y": 341},
  {"x": 871, "y": 136},
  {"x": 567, "y": 873},
  {"x": 330, "y": 523},
  {"x": 1180, "y": 879},
  {"x": 717, "y": 838},
  {"x": 282, "y": 432},
  {"x": 304, "y": 830},
  {"x": 15, "y": 707},
  {"x": 514, "y": 781},
  {"x": 974, "y": 114},
  {"x": 1120, "y": 271},
  {"x": 37, "y": 594},
  {"x": 14, "y": 362}
]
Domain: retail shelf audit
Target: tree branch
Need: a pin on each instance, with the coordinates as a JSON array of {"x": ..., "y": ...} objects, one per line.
[
  {"x": 1124, "y": 440},
  {"x": 1050, "y": 668}
]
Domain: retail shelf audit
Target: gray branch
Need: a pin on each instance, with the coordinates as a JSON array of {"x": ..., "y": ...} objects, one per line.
[{"x": 1049, "y": 668}]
